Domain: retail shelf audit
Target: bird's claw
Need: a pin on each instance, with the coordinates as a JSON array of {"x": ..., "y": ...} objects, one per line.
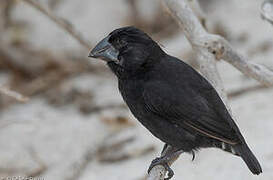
[{"x": 164, "y": 163}]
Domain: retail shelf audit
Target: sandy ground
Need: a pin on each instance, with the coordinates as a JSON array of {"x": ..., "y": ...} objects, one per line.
[{"x": 59, "y": 138}]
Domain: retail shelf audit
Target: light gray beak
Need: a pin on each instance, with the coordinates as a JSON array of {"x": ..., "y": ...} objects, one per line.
[{"x": 105, "y": 51}]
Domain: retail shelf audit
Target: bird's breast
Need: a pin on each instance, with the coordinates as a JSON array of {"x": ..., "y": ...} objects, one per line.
[{"x": 132, "y": 93}]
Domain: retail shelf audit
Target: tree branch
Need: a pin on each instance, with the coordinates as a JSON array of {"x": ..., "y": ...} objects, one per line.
[
  {"x": 17, "y": 96},
  {"x": 216, "y": 45},
  {"x": 64, "y": 24},
  {"x": 267, "y": 11},
  {"x": 223, "y": 50},
  {"x": 197, "y": 36}
]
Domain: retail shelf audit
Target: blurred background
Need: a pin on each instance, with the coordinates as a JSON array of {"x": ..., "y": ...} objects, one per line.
[{"x": 75, "y": 125}]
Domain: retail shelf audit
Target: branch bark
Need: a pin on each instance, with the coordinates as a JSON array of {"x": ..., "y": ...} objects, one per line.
[
  {"x": 223, "y": 50},
  {"x": 216, "y": 45},
  {"x": 267, "y": 11},
  {"x": 199, "y": 38},
  {"x": 15, "y": 95}
]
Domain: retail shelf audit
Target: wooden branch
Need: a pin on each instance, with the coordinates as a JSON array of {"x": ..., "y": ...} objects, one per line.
[
  {"x": 64, "y": 24},
  {"x": 157, "y": 173},
  {"x": 15, "y": 95},
  {"x": 198, "y": 11},
  {"x": 217, "y": 45},
  {"x": 196, "y": 34},
  {"x": 223, "y": 50},
  {"x": 267, "y": 11}
]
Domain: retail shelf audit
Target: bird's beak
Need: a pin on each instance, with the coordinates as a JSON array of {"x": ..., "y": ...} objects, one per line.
[{"x": 105, "y": 51}]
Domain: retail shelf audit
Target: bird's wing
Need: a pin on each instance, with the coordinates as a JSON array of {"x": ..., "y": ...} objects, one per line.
[{"x": 189, "y": 109}]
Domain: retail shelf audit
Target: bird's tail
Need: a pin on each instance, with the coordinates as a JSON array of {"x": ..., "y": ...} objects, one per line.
[
  {"x": 249, "y": 158},
  {"x": 245, "y": 153}
]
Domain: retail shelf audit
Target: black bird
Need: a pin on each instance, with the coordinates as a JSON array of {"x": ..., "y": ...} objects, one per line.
[{"x": 172, "y": 100}]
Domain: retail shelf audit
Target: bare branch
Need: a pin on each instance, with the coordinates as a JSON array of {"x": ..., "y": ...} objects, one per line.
[
  {"x": 197, "y": 35},
  {"x": 198, "y": 11},
  {"x": 17, "y": 96},
  {"x": 216, "y": 45},
  {"x": 157, "y": 173},
  {"x": 267, "y": 11},
  {"x": 223, "y": 50},
  {"x": 64, "y": 24}
]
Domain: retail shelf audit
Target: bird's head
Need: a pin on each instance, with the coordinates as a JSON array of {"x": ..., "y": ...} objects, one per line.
[{"x": 128, "y": 47}]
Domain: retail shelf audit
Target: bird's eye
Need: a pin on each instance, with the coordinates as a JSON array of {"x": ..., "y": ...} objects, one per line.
[{"x": 121, "y": 43}]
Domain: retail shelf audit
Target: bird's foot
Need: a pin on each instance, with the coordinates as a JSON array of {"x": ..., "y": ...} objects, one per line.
[
  {"x": 193, "y": 155},
  {"x": 164, "y": 162}
]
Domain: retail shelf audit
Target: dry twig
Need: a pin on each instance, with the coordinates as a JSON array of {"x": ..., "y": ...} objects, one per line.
[
  {"x": 17, "y": 96},
  {"x": 64, "y": 24},
  {"x": 267, "y": 11}
]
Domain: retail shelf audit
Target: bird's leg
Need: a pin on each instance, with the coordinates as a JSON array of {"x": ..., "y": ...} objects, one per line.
[
  {"x": 193, "y": 155},
  {"x": 164, "y": 148},
  {"x": 168, "y": 155}
]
